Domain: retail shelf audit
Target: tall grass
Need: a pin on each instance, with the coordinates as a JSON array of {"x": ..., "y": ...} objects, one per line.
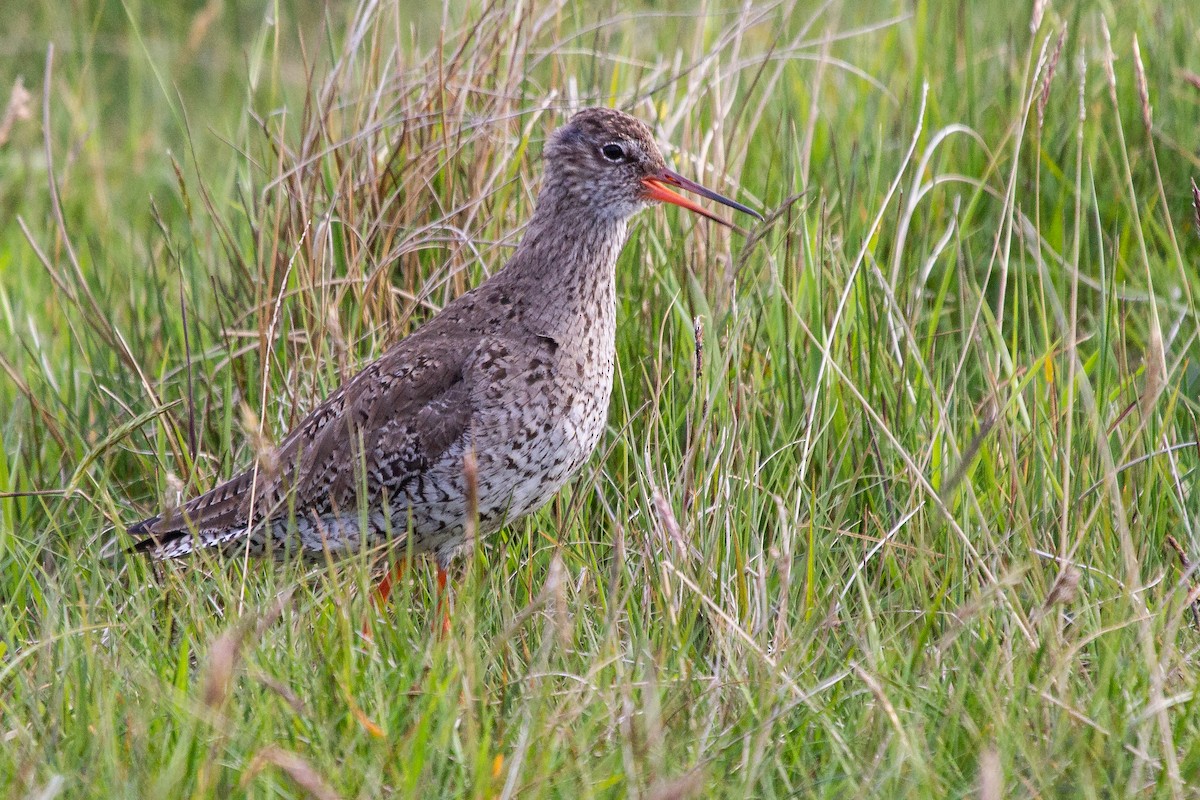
[{"x": 897, "y": 494}]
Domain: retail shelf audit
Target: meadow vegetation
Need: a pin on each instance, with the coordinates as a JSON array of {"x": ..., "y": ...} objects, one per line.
[{"x": 898, "y": 496}]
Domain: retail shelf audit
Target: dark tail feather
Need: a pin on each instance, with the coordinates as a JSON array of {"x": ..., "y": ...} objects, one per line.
[{"x": 152, "y": 540}]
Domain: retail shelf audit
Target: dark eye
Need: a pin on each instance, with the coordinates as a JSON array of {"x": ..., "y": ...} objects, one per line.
[{"x": 613, "y": 152}]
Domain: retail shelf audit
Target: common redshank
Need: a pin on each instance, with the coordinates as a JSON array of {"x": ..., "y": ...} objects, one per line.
[{"x": 513, "y": 376}]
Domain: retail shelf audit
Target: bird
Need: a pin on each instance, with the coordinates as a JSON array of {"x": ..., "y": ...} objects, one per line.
[{"x": 485, "y": 411}]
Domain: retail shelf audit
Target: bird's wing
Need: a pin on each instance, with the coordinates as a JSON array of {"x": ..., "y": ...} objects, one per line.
[
  {"x": 394, "y": 418},
  {"x": 394, "y": 423}
]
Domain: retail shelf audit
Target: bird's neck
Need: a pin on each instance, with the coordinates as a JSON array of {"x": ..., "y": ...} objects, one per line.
[{"x": 566, "y": 265}]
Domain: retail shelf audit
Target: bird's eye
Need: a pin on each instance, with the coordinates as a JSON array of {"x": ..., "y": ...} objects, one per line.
[{"x": 613, "y": 152}]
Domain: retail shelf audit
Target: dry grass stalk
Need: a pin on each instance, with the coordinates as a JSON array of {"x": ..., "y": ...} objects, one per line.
[
  {"x": 226, "y": 653},
  {"x": 471, "y": 479},
  {"x": 681, "y": 788},
  {"x": 1143, "y": 90},
  {"x": 670, "y": 526},
  {"x": 1155, "y": 377},
  {"x": 1039, "y": 11},
  {"x": 1186, "y": 564},
  {"x": 1196, "y": 205},
  {"x": 1062, "y": 592},
  {"x": 991, "y": 776},
  {"x": 301, "y": 773},
  {"x": 19, "y": 109},
  {"x": 1049, "y": 78}
]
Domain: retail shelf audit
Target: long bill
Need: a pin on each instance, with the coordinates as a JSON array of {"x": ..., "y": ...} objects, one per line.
[{"x": 656, "y": 189}]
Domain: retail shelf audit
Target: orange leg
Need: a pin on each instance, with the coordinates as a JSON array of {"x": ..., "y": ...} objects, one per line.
[
  {"x": 389, "y": 579},
  {"x": 388, "y": 582},
  {"x": 382, "y": 592}
]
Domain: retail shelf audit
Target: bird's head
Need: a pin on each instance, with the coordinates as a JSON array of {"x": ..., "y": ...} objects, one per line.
[{"x": 607, "y": 161}]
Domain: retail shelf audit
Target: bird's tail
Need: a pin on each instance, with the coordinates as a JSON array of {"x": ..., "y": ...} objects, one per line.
[
  {"x": 209, "y": 520},
  {"x": 160, "y": 544},
  {"x": 177, "y": 542}
]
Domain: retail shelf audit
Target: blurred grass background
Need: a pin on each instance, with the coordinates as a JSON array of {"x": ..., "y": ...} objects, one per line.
[{"x": 897, "y": 496}]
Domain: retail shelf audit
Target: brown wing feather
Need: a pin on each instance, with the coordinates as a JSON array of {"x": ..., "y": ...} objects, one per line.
[
  {"x": 403, "y": 417},
  {"x": 406, "y": 409}
]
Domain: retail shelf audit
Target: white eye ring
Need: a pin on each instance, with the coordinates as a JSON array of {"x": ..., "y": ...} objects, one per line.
[{"x": 613, "y": 152}]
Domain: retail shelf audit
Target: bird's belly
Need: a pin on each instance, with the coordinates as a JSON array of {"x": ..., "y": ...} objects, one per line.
[
  {"x": 525, "y": 447},
  {"x": 522, "y": 464}
]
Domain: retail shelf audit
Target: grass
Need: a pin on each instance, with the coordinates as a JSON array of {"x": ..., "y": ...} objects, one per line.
[{"x": 911, "y": 516}]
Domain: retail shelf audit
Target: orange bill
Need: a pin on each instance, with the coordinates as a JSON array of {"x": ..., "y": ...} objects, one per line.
[{"x": 656, "y": 189}]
